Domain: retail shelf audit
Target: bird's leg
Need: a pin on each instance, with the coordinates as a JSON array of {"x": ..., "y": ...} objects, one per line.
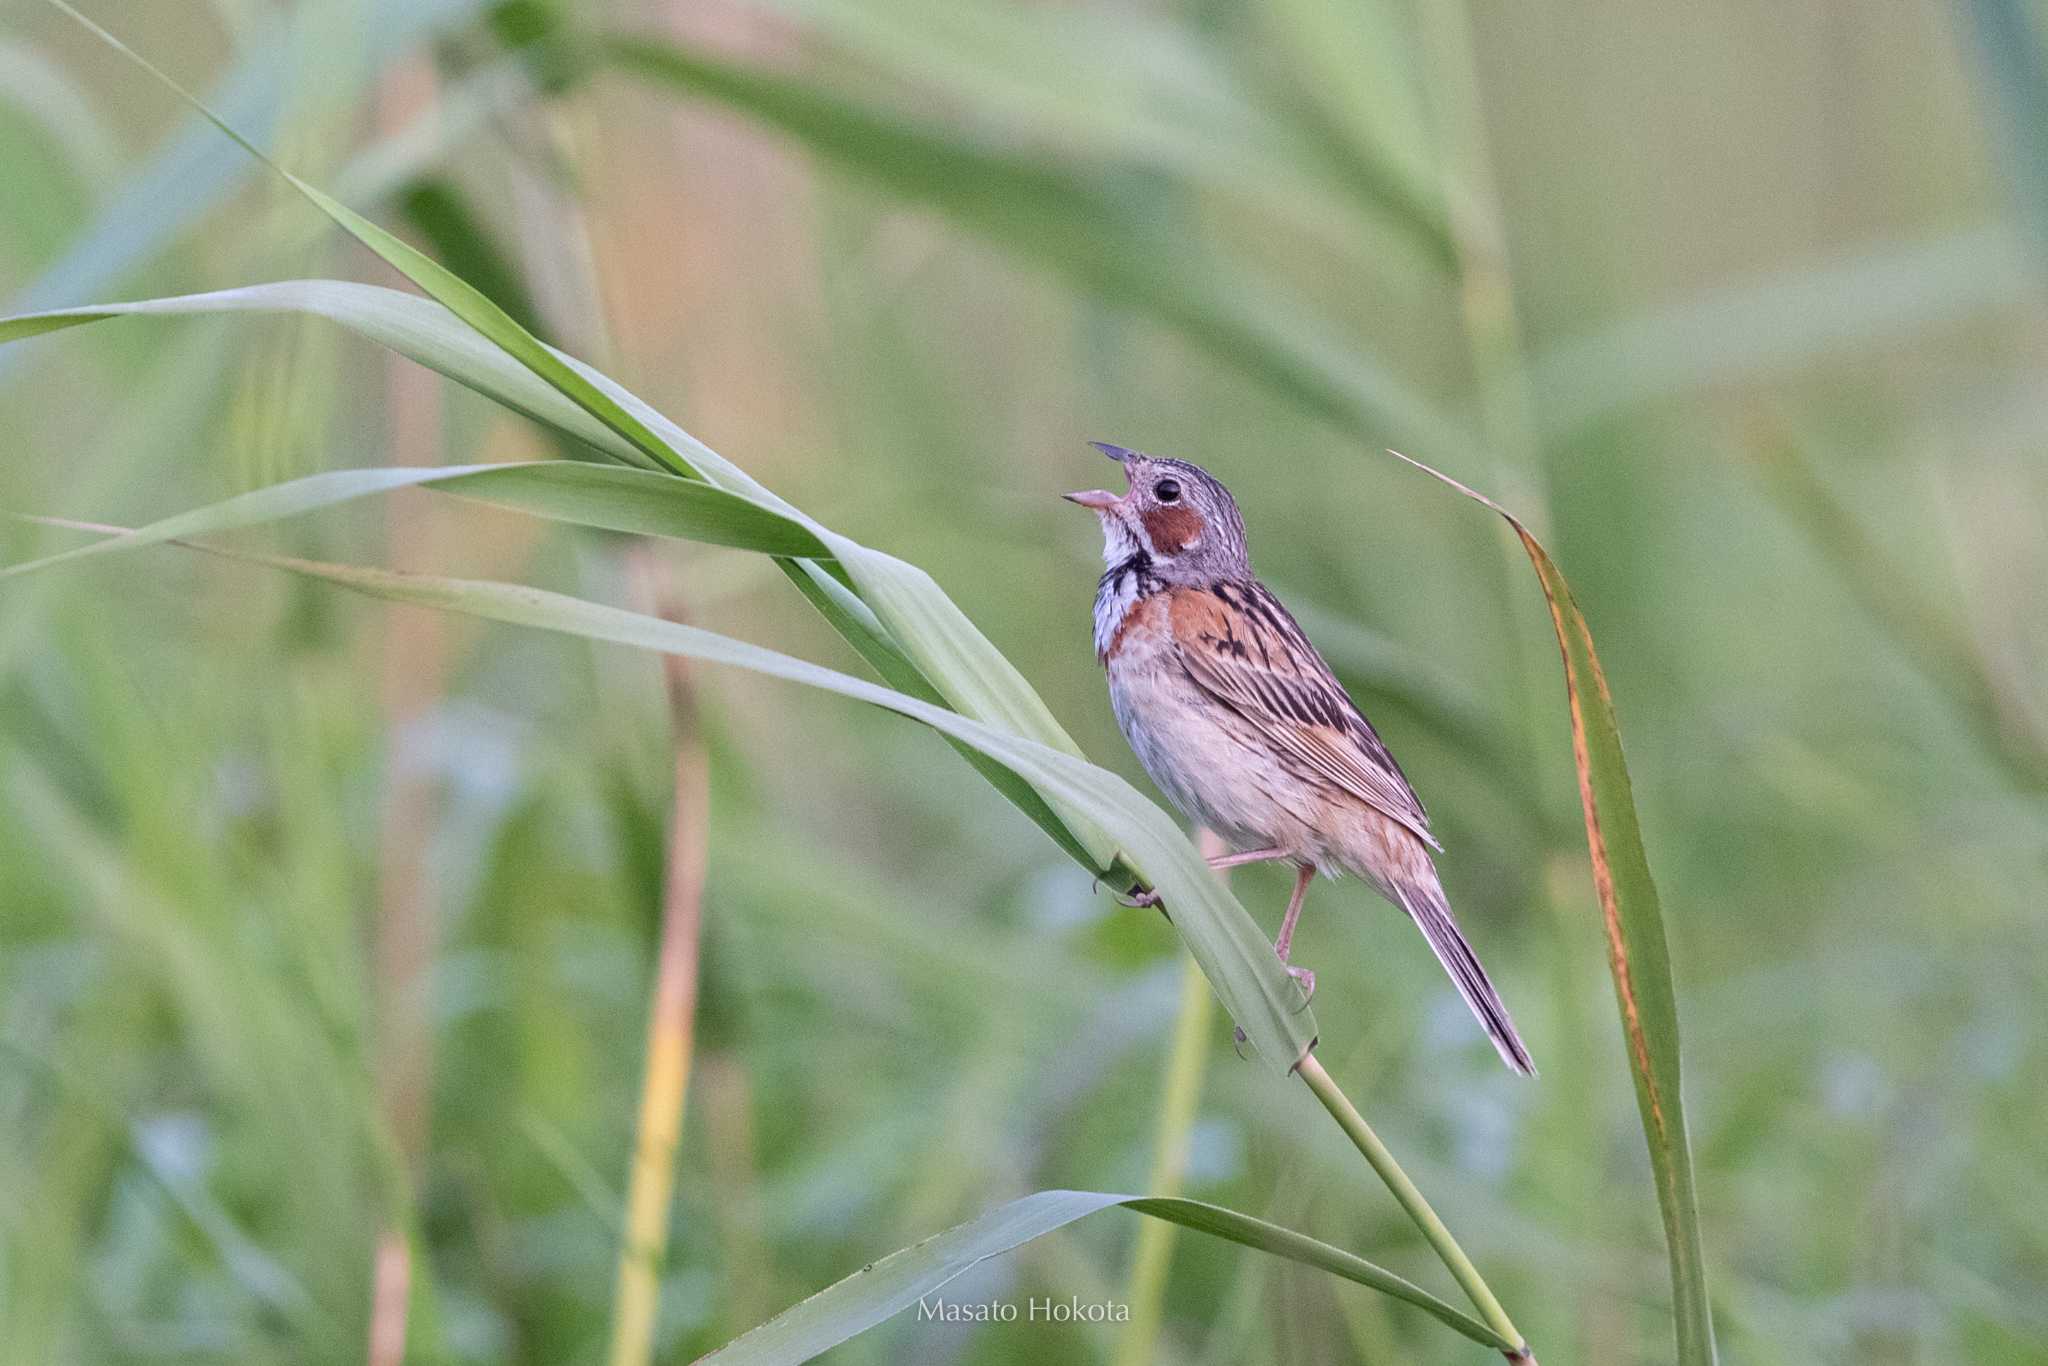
[
  {"x": 1222, "y": 861},
  {"x": 1147, "y": 897},
  {"x": 1284, "y": 944}
]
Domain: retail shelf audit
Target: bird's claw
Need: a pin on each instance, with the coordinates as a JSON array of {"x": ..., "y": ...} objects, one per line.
[
  {"x": 1138, "y": 897},
  {"x": 1305, "y": 978}
]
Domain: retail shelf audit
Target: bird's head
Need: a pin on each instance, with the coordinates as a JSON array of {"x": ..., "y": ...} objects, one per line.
[{"x": 1183, "y": 521}]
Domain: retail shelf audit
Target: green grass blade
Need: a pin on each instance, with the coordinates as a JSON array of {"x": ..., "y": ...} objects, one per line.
[
  {"x": 623, "y": 500},
  {"x": 587, "y": 495},
  {"x": 1637, "y": 956},
  {"x": 852, "y": 618},
  {"x": 967, "y": 670},
  {"x": 40, "y": 324},
  {"x": 960, "y": 662},
  {"x": 417, "y": 328},
  {"x": 1299, "y": 1247},
  {"x": 902, "y": 603},
  {"x": 194, "y": 171},
  {"x": 497, "y": 326},
  {"x": 1234, "y": 954},
  {"x": 440, "y": 210},
  {"x": 894, "y": 1283},
  {"x": 450, "y": 290}
]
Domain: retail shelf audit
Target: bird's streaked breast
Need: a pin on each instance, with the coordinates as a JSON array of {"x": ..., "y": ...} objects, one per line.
[{"x": 1124, "y": 586}]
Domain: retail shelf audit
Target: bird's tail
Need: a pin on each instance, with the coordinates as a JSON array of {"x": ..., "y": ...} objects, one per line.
[{"x": 1424, "y": 902}]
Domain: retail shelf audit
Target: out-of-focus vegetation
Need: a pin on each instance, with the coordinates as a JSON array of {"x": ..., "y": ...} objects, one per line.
[{"x": 323, "y": 918}]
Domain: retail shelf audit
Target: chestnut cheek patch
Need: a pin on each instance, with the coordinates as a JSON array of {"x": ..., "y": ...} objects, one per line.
[{"x": 1172, "y": 529}]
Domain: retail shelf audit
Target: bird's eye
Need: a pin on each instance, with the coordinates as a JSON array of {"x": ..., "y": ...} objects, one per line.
[{"x": 1167, "y": 490}]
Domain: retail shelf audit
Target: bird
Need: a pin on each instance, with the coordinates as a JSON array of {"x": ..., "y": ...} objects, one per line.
[{"x": 1244, "y": 727}]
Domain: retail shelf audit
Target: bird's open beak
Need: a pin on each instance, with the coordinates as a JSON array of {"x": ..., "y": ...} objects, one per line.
[{"x": 1097, "y": 500}]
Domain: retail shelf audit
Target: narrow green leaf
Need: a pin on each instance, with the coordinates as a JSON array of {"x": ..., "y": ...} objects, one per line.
[
  {"x": 966, "y": 669},
  {"x": 454, "y": 293},
  {"x": 193, "y": 171},
  {"x": 438, "y": 207},
  {"x": 587, "y": 495},
  {"x": 1637, "y": 956},
  {"x": 850, "y": 616},
  {"x": 417, "y": 328},
  {"x": 960, "y": 662},
  {"x": 887, "y": 1287},
  {"x": 1233, "y": 952},
  {"x": 37, "y": 324}
]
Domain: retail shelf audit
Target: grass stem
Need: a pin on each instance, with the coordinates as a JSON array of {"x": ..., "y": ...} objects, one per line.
[
  {"x": 1362, "y": 1136},
  {"x": 669, "y": 1039},
  {"x": 1186, "y": 1062}
]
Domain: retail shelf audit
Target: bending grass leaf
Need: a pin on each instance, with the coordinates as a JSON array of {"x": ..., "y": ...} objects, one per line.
[
  {"x": 1636, "y": 953},
  {"x": 1233, "y": 952},
  {"x": 588, "y": 495},
  {"x": 192, "y": 171},
  {"x": 456, "y": 294},
  {"x": 929, "y": 631},
  {"x": 849, "y": 616},
  {"x": 964, "y": 668},
  {"x": 441, "y": 212},
  {"x": 617, "y": 500},
  {"x": 416, "y": 328},
  {"x": 967, "y": 670},
  {"x": 899, "y": 1280}
]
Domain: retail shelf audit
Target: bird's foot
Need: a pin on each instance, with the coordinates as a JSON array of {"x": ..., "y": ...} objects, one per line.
[
  {"x": 1138, "y": 897},
  {"x": 1306, "y": 979}
]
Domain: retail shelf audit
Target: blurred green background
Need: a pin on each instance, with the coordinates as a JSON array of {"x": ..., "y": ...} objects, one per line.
[{"x": 318, "y": 916}]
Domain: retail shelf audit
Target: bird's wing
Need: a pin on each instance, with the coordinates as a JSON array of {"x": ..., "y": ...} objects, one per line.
[{"x": 1243, "y": 648}]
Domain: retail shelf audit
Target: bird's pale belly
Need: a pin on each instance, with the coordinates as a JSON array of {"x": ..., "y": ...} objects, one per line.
[{"x": 1206, "y": 760}]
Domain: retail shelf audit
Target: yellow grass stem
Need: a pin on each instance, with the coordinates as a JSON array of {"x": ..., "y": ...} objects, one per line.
[{"x": 669, "y": 1039}]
